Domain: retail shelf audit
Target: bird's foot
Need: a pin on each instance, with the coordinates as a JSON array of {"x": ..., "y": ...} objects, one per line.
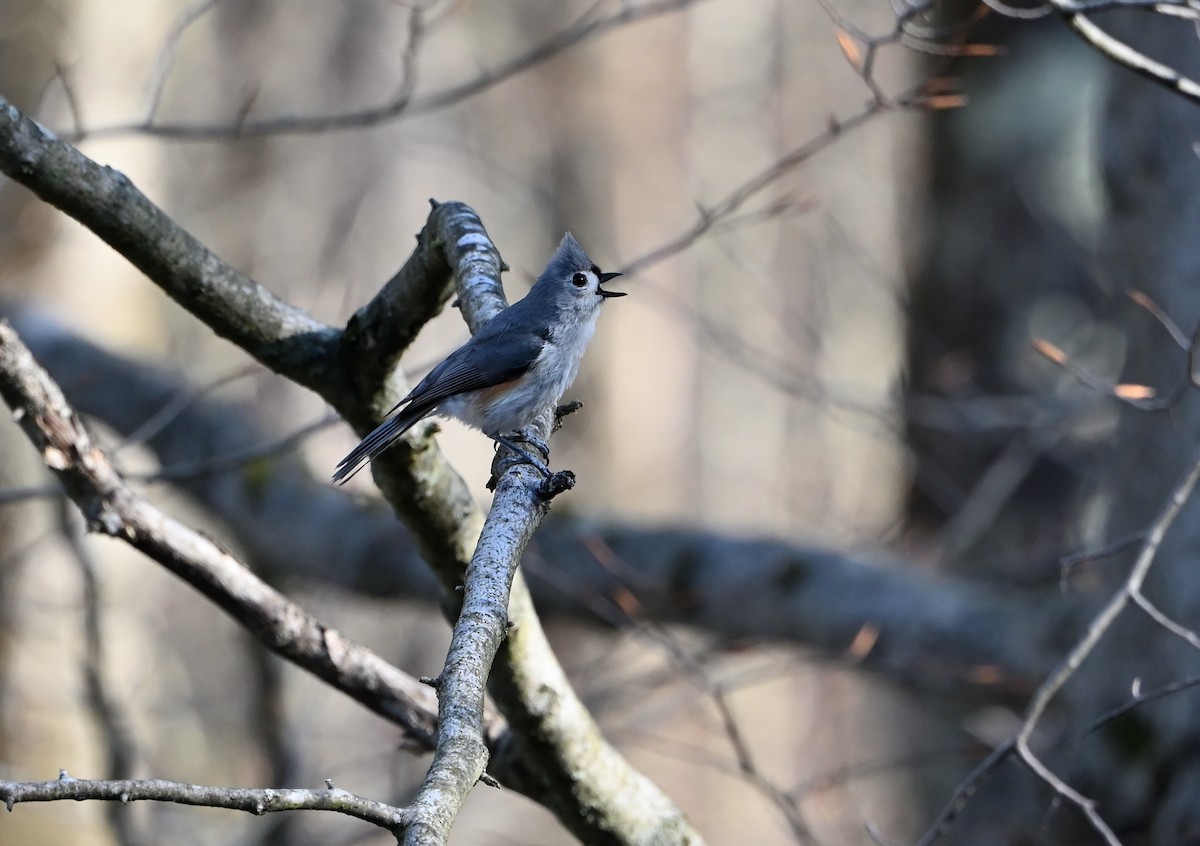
[
  {"x": 526, "y": 455},
  {"x": 526, "y": 436},
  {"x": 554, "y": 483}
]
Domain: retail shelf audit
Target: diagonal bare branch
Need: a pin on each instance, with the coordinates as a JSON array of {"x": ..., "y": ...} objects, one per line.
[
  {"x": 112, "y": 508},
  {"x": 285, "y": 338}
]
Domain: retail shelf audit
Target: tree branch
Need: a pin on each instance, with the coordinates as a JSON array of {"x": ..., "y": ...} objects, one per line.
[
  {"x": 461, "y": 756},
  {"x": 416, "y": 480},
  {"x": 112, "y": 508},
  {"x": 452, "y": 245},
  {"x": 252, "y": 800}
]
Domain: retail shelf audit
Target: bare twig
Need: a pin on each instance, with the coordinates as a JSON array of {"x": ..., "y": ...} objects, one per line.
[
  {"x": 73, "y": 105},
  {"x": 1096, "y": 630},
  {"x": 176, "y": 406},
  {"x": 1141, "y": 397},
  {"x": 402, "y": 103},
  {"x": 250, "y": 800},
  {"x": 1068, "y": 562},
  {"x": 275, "y": 734},
  {"x": 1143, "y": 300},
  {"x": 241, "y": 458},
  {"x": 784, "y": 801},
  {"x": 965, "y": 790},
  {"x": 1140, "y": 697},
  {"x": 1154, "y": 613},
  {"x": 720, "y": 212},
  {"x": 113, "y": 725},
  {"x": 166, "y": 56},
  {"x": 1104, "y": 619}
]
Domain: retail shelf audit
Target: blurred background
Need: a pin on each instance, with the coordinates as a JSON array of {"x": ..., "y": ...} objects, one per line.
[{"x": 841, "y": 357}]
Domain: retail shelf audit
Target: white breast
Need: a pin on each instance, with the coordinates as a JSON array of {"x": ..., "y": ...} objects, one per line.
[{"x": 541, "y": 387}]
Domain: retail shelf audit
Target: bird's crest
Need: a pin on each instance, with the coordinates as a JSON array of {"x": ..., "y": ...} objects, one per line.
[{"x": 568, "y": 258}]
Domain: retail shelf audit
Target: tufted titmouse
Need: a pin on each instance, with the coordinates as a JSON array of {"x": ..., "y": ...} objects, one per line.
[{"x": 518, "y": 364}]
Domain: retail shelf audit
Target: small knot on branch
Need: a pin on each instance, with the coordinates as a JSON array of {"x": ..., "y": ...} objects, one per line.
[{"x": 556, "y": 483}]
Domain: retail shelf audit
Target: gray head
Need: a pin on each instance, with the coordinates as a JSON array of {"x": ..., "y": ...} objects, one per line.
[{"x": 572, "y": 281}]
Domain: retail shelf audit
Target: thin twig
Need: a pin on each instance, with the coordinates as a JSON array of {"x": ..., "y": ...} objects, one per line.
[
  {"x": 166, "y": 56},
  {"x": 402, "y": 103},
  {"x": 1083, "y": 648},
  {"x": 1144, "y": 301},
  {"x": 1128, "y": 592},
  {"x": 1068, "y": 562},
  {"x": 1154, "y": 613},
  {"x": 1140, "y": 698},
  {"x": 108, "y": 714},
  {"x": 177, "y": 405},
  {"x": 251, "y": 800},
  {"x": 787, "y": 803},
  {"x": 965, "y": 790},
  {"x": 276, "y": 735},
  {"x": 73, "y": 105},
  {"x": 237, "y": 460}
]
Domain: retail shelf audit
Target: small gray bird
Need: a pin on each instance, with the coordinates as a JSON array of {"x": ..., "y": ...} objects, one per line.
[{"x": 521, "y": 362}]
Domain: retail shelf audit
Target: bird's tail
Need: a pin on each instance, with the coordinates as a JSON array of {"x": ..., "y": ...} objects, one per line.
[{"x": 384, "y": 435}]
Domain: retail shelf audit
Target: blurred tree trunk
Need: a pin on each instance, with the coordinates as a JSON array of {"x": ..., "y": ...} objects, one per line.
[
  {"x": 1010, "y": 217},
  {"x": 1054, "y": 193}
]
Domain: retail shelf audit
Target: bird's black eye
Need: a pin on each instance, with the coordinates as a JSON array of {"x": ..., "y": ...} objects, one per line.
[{"x": 579, "y": 279}]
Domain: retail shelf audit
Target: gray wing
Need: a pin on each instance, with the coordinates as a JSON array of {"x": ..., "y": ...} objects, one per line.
[{"x": 502, "y": 357}]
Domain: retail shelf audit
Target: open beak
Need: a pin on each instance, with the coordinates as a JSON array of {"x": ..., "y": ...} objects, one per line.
[{"x": 607, "y": 277}]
